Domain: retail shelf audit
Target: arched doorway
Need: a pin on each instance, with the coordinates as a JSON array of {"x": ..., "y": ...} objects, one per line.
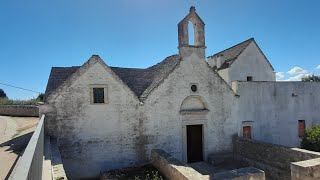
[{"x": 193, "y": 111}]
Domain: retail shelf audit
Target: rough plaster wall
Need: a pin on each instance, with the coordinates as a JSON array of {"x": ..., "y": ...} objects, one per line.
[
  {"x": 94, "y": 138},
  {"x": 224, "y": 73},
  {"x": 251, "y": 62},
  {"x": 163, "y": 105},
  {"x": 122, "y": 133},
  {"x": 275, "y": 111}
]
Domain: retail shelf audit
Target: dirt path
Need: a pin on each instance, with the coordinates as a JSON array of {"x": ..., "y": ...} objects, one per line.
[{"x": 14, "y": 136}]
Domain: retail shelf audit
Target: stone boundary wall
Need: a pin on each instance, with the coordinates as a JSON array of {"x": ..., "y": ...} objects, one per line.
[
  {"x": 306, "y": 170},
  {"x": 172, "y": 168},
  {"x": 19, "y": 110},
  {"x": 275, "y": 160}
]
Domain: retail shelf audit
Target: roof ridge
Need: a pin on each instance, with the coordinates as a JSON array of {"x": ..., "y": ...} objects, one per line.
[
  {"x": 161, "y": 62},
  {"x": 251, "y": 39},
  {"x": 139, "y": 81},
  {"x": 127, "y": 68}
]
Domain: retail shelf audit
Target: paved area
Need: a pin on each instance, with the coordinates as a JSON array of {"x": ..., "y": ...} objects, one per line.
[
  {"x": 208, "y": 169},
  {"x": 15, "y": 133}
]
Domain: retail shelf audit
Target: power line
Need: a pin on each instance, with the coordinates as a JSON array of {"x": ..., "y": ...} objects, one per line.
[{"x": 19, "y": 88}]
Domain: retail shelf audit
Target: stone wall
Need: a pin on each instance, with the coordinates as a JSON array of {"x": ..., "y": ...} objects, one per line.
[
  {"x": 19, "y": 110},
  {"x": 275, "y": 160},
  {"x": 306, "y": 170},
  {"x": 174, "y": 169}
]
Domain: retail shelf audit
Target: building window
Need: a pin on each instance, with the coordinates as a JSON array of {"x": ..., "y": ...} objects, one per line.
[
  {"x": 246, "y": 132},
  {"x": 194, "y": 88},
  {"x": 98, "y": 95},
  {"x": 301, "y": 128},
  {"x": 249, "y": 78}
]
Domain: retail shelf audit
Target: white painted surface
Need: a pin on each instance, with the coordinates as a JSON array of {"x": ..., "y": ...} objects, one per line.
[
  {"x": 122, "y": 133},
  {"x": 274, "y": 112},
  {"x": 251, "y": 62}
]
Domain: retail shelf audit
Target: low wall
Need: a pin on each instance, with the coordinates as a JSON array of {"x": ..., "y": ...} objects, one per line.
[
  {"x": 275, "y": 160},
  {"x": 19, "y": 110},
  {"x": 172, "y": 168},
  {"x": 29, "y": 166},
  {"x": 306, "y": 170}
]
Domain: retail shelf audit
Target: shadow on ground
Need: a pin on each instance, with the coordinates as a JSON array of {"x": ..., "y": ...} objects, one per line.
[{"x": 18, "y": 144}]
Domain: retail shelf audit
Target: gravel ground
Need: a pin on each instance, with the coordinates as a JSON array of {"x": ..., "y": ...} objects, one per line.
[{"x": 15, "y": 133}]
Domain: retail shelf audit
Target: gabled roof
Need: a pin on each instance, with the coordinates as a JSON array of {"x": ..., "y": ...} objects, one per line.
[
  {"x": 232, "y": 53},
  {"x": 57, "y": 76},
  {"x": 140, "y": 81}
]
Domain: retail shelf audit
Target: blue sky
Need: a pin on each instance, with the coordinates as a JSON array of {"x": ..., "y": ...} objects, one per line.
[{"x": 38, "y": 34}]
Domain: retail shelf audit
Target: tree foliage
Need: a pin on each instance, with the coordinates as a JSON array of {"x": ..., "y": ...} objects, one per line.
[
  {"x": 40, "y": 97},
  {"x": 311, "y": 78},
  {"x": 311, "y": 141},
  {"x": 3, "y": 94}
]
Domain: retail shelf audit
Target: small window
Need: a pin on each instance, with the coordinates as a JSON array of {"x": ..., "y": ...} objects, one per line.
[
  {"x": 194, "y": 88},
  {"x": 98, "y": 95},
  {"x": 249, "y": 78},
  {"x": 246, "y": 132},
  {"x": 301, "y": 128}
]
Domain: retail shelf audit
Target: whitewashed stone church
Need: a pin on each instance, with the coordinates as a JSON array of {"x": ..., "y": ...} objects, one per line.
[{"x": 188, "y": 105}]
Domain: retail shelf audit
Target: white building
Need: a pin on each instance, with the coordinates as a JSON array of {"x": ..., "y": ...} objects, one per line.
[
  {"x": 243, "y": 62},
  {"x": 109, "y": 117}
]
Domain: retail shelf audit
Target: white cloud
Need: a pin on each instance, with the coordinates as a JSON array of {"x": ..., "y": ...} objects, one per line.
[
  {"x": 297, "y": 77},
  {"x": 318, "y": 67},
  {"x": 297, "y": 71},
  {"x": 279, "y": 75}
]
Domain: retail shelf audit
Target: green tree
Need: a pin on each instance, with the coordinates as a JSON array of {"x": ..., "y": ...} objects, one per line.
[
  {"x": 311, "y": 140},
  {"x": 311, "y": 78},
  {"x": 40, "y": 97},
  {"x": 3, "y": 94}
]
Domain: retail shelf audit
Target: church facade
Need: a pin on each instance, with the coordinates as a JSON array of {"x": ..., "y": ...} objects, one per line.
[{"x": 188, "y": 105}]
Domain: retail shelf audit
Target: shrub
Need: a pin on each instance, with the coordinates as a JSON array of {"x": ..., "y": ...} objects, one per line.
[
  {"x": 2, "y": 94},
  {"x": 311, "y": 78},
  {"x": 5, "y": 101},
  {"x": 311, "y": 140}
]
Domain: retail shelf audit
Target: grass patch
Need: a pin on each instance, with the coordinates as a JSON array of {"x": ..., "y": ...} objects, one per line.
[{"x": 20, "y": 130}]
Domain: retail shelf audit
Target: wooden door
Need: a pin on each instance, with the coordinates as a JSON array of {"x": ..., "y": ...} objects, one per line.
[
  {"x": 246, "y": 132},
  {"x": 194, "y": 143}
]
